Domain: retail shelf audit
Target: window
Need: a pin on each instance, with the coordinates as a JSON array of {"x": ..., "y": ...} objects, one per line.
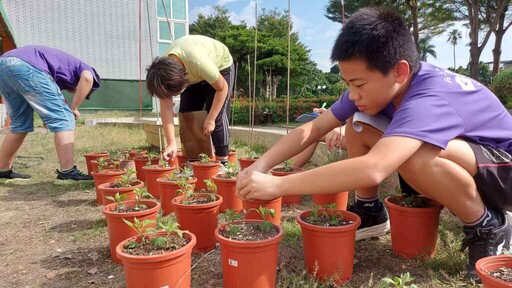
[{"x": 177, "y": 16}]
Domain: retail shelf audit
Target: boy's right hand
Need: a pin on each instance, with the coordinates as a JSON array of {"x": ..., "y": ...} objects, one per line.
[{"x": 170, "y": 151}]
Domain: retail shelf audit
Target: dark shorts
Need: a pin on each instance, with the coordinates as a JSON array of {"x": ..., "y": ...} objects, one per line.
[
  {"x": 199, "y": 96},
  {"x": 494, "y": 176}
]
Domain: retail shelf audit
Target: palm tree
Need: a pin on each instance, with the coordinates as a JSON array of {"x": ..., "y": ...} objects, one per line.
[
  {"x": 426, "y": 48},
  {"x": 453, "y": 38}
]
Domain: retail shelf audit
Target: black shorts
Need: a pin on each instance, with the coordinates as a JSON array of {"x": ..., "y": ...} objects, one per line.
[
  {"x": 199, "y": 96},
  {"x": 494, "y": 176}
]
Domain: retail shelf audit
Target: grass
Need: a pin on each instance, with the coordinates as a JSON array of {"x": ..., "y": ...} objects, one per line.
[{"x": 65, "y": 217}]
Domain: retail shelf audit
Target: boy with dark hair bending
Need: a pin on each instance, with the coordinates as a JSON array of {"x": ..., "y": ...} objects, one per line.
[{"x": 447, "y": 135}]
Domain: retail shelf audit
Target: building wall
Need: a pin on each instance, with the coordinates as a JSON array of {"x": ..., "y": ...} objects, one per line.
[{"x": 103, "y": 33}]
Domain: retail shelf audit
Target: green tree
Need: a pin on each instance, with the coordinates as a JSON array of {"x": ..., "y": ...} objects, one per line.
[
  {"x": 453, "y": 38},
  {"x": 424, "y": 17},
  {"x": 426, "y": 48},
  {"x": 211, "y": 25}
]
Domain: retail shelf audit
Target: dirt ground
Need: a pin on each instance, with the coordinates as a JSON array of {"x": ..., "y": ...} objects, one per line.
[{"x": 55, "y": 235}]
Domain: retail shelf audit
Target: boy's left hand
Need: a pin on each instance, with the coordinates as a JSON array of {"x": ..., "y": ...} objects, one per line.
[
  {"x": 259, "y": 186},
  {"x": 208, "y": 126}
]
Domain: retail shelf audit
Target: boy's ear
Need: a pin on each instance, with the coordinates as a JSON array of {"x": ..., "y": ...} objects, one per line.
[{"x": 402, "y": 71}]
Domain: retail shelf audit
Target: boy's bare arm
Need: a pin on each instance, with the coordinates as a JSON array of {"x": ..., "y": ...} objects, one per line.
[
  {"x": 366, "y": 171},
  {"x": 295, "y": 142}
]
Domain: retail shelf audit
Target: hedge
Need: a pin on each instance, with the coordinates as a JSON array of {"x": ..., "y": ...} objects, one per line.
[
  {"x": 502, "y": 87},
  {"x": 277, "y": 107}
]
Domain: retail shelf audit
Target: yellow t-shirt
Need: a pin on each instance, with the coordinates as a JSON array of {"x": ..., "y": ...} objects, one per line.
[{"x": 202, "y": 56}]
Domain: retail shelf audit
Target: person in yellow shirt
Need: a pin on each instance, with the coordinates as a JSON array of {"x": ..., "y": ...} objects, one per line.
[{"x": 201, "y": 70}]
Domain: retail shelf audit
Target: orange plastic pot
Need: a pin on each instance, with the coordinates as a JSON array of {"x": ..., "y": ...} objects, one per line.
[
  {"x": 105, "y": 176},
  {"x": 128, "y": 191},
  {"x": 110, "y": 164},
  {"x": 340, "y": 199},
  {"x": 329, "y": 251},
  {"x": 245, "y": 162},
  {"x": 165, "y": 270},
  {"x": 141, "y": 161},
  {"x": 203, "y": 172},
  {"x": 118, "y": 230},
  {"x": 168, "y": 190},
  {"x": 249, "y": 264},
  {"x": 490, "y": 264},
  {"x": 93, "y": 156},
  {"x": 232, "y": 156},
  {"x": 272, "y": 204},
  {"x": 413, "y": 230},
  {"x": 136, "y": 153},
  {"x": 151, "y": 174},
  {"x": 182, "y": 159},
  {"x": 201, "y": 220},
  {"x": 227, "y": 189},
  {"x": 288, "y": 199}
]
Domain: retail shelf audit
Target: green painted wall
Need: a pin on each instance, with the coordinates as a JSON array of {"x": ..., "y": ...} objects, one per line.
[{"x": 116, "y": 95}]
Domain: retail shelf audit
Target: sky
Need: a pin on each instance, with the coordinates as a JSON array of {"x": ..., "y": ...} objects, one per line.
[{"x": 318, "y": 33}]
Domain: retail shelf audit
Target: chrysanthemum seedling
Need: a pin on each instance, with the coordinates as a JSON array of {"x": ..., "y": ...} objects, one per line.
[
  {"x": 140, "y": 194},
  {"x": 171, "y": 228},
  {"x": 211, "y": 187},
  {"x": 415, "y": 201},
  {"x": 185, "y": 190},
  {"x": 232, "y": 170},
  {"x": 266, "y": 226},
  {"x": 143, "y": 230},
  {"x": 397, "y": 282},
  {"x": 325, "y": 216},
  {"x": 288, "y": 165},
  {"x": 126, "y": 179},
  {"x": 204, "y": 159},
  {"x": 102, "y": 164},
  {"x": 230, "y": 217},
  {"x": 118, "y": 198}
]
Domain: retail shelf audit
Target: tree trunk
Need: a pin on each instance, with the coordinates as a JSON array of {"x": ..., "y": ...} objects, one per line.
[
  {"x": 499, "y": 33},
  {"x": 413, "y": 6},
  {"x": 474, "y": 53},
  {"x": 275, "y": 81},
  {"x": 268, "y": 85}
]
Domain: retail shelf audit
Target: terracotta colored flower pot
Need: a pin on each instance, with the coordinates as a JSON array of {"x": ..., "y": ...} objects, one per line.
[
  {"x": 182, "y": 159},
  {"x": 288, "y": 199},
  {"x": 137, "y": 153},
  {"x": 245, "y": 162},
  {"x": 329, "y": 251},
  {"x": 272, "y": 204},
  {"x": 93, "y": 156},
  {"x": 227, "y": 189},
  {"x": 118, "y": 230},
  {"x": 203, "y": 172},
  {"x": 110, "y": 163},
  {"x": 249, "y": 264},
  {"x": 151, "y": 174},
  {"x": 232, "y": 156},
  {"x": 168, "y": 192},
  {"x": 128, "y": 191},
  {"x": 201, "y": 220},
  {"x": 340, "y": 199},
  {"x": 490, "y": 264},
  {"x": 127, "y": 164},
  {"x": 165, "y": 270},
  {"x": 141, "y": 161},
  {"x": 105, "y": 176},
  {"x": 413, "y": 230}
]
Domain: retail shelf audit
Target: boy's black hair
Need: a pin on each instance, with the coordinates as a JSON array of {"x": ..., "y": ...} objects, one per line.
[
  {"x": 165, "y": 77},
  {"x": 378, "y": 36}
]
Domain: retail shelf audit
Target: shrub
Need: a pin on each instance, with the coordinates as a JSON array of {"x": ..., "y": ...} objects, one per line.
[{"x": 502, "y": 87}]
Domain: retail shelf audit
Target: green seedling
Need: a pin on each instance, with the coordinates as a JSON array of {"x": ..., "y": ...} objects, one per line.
[
  {"x": 253, "y": 155},
  {"x": 126, "y": 179},
  {"x": 334, "y": 218},
  {"x": 151, "y": 157},
  {"x": 397, "y": 282},
  {"x": 211, "y": 187},
  {"x": 264, "y": 212},
  {"x": 231, "y": 216},
  {"x": 170, "y": 227},
  {"x": 143, "y": 230},
  {"x": 415, "y": 201},
  {"x": 185, "y": 190},
  {"x": 204, "y": 159},
  {"x": 232, "y": 170},
  {"x": 118, "y": 198},
  {"x": 102, "y": 164},
  {"x": 288, "y": 166},
  {"x": 140, "y": 194}
]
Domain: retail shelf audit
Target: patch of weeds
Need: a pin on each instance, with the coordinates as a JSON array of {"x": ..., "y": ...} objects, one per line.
[
  {"x": 292, "y": 234},
  {"x": 398, "y": 282},
  {"x": 98, "y": 229}
]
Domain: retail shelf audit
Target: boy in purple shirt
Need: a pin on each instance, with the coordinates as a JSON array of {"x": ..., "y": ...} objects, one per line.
[
  {"x": 448, "y": 136},
  {"x": 31, "y": 80}
]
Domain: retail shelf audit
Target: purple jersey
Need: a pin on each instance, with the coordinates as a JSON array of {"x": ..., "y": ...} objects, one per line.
[
  {"x": 64, "y": 68},
  {"x": 440, "y": 106}
]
